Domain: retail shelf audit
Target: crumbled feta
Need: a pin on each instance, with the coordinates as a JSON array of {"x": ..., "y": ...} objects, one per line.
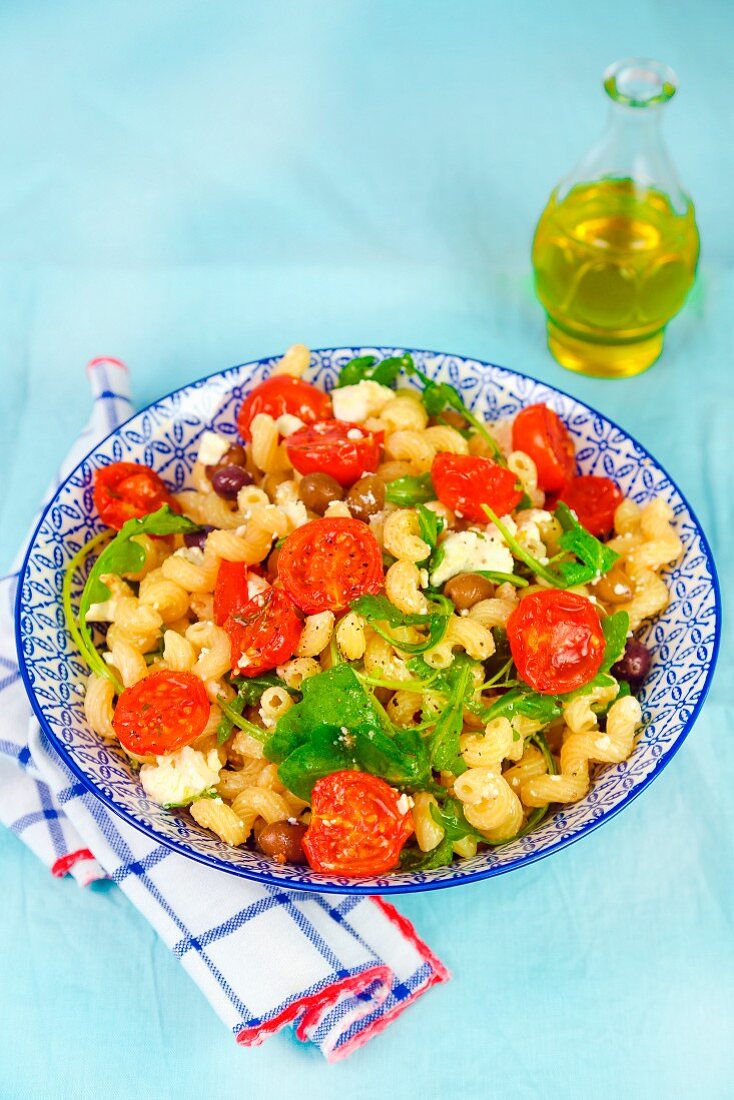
[
  {"x": 468, "y": 551},
  {"x": 287, "y": 424},
  {"x": 192, "y": 554},
  {"x": 101, "y": 612},
  {"x": 528, "y": 524},
  {"x": 356, "y": 403},
  {"x": 212, "y": 448},
  {"x": 404, "y": 803},
  {"x": 355, "y": 433},
  {"x": 620, "y": 590},
  {"x": 181, "y": 776},
  {"x": 255, "y": 584}
]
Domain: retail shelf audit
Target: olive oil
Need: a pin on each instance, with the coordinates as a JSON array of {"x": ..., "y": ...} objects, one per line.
[
  {"x": 613, "y": 263},
  {"x": 616, "y": 248}
]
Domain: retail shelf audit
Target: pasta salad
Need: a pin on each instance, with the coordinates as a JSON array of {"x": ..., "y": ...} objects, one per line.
[{"x": 377, "y": 633}]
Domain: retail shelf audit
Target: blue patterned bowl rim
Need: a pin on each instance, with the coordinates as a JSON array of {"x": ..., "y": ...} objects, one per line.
[{"x": 388, "y": 885}]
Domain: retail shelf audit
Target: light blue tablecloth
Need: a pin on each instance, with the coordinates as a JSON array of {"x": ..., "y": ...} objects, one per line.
[{"x": 187, "y": 185}]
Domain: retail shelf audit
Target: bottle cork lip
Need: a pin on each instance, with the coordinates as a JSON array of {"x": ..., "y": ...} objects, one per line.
[{"x": 640, "y": 82}]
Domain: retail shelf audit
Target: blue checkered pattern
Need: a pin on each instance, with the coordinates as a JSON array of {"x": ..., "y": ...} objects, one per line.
[{"x": 339, "y": 968}]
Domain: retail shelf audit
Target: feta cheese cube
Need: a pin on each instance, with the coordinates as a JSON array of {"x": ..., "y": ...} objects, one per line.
[
  {"x": 181, "y": 776},
  {"x": 212, "y": 448},
  {"x": 468, "y": 551}
]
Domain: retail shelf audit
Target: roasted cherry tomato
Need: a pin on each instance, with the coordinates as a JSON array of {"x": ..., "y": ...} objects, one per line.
[
  {"x": 556, "y": 640},
  {"x": 594, "y": 500},
  {"x": 465, "y": 482},
  {"x": 542, "y": 435},
  {"x": 263, "y": 633},
  {"x": 230, "y": 592},
  {"x": 127, "y": 490},
  {"x": 357, "y": 825},
  {"x": 283, "y": 394},
  {"x": 161, "y": 713},
  {"x": 327, "y": 563},
  {"x": 343, "y": 451}
]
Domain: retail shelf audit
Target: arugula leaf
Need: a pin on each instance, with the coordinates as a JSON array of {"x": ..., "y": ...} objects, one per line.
[
  {"x": 337, "y": 726},
  {"x": 595, "y": 558},
  {"x": 366, "y": 368},
  {"x": 431, "y": 525},
  {"x": 333, "y": 698},
  {"x": 121, "y": 555},
  {"x": 523, "y": 700},
  {"x": 249, "y": 691},
  {"x": 451, "y": 818},
  {"x": 355, "y": 370},
  {"x": 443, "y": 741},
  {"x": 616, "y": 628},
  {"x": 438, "y": 395},
  {"x": 124, "y": 555},
  {"x": 540, "y": 742},
  {"x": 211, "y": 793},
  {"x": 413, "y": 859},
  {"x": 502, "y": 578},
  {"x": 409, "y": 490},
  {"x": 232, "y": 712},
  {"x": 378, "y": 609}
]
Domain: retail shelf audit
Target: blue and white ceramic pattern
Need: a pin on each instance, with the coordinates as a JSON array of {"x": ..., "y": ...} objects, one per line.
[{"x": 684, "y": 640}]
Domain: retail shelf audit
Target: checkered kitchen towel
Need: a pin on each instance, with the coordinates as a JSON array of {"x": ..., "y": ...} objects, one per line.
[{"x": 338, "y": 968}]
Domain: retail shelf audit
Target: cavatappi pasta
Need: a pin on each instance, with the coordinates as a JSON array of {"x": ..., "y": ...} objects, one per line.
[{"x": 363, "y": 609}]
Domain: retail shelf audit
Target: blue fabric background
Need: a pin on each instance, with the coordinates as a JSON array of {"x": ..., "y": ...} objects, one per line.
[{"x": 188, "y": 185}]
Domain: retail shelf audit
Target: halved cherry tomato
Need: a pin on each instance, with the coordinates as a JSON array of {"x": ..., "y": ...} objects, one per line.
[
  {"x": 161, "y": 713},
  {"x": 283, "y": 394},
  {"x": 556, "y": 640},
  {"x": 465, "y": 482},
  {"x": 128, "y": 490},
  {"x": 542, "y": 435},
  {"x": 344, "y": 451},
  {"x": 594, "y": 500},
  {"x": 327, "y": 563},
  {"x": 230, "y": 591},
  {"x": 357, "y": 825},
  {"x": 263, "y": 633}
]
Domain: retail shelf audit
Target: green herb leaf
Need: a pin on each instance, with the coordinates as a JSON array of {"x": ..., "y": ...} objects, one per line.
[
  {"x": 355, "y": 370},
  {"x": 438, "y": 395},
  {"x": 502, "y": 578},
  {"x": 337, "y": 726},
  {"x": 232, "y": 711},
  {"x": 443, "y": 742},
  {"x": 616, "y": 628},
  {"x": 431, "y": 525},
  {"x": 451, "y": 818},
  {"x": 407, "y": 491},
  {"x": 124, "y": 555},
  {"x": 334, "y": 698},
  {"x": 378, "y": 609},
  {"x": 523, "y": 700},
  {"x": 413, "y": 859},
  {"x": 121, "y": 555},
  {"x": 211, "y": 793},
  {"x": 366, "y": 368},
  {"x": 596, "y": 559}
]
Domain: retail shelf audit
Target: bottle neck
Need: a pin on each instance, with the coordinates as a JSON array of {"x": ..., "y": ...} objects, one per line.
[{"x": 631, "y": 147}]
